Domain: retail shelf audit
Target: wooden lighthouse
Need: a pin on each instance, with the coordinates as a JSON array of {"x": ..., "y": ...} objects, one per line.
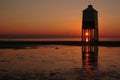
[{"x": 90, "y": 25}]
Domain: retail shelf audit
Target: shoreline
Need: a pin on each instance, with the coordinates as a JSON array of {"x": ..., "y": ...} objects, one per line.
[{"x": 9, "y": 44}]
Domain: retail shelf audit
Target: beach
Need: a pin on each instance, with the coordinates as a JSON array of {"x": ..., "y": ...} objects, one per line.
[{"x": 58, "y": 62}]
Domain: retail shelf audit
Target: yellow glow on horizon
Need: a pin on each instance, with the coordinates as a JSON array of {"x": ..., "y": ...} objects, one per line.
[{"x": 56, "y": 17}]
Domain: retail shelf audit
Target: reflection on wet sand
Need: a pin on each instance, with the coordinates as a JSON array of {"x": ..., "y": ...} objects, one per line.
[
  {"x": 89, "y": 61},
  {"x": 59, "y": 62}
]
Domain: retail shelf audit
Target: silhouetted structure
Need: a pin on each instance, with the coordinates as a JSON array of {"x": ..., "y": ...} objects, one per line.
[{"x": 90, "y": 25}]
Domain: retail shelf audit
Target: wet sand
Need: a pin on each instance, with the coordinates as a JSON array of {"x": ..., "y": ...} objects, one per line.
[
  {"x": 60, "y": 61},
  {"x": 77, "y": 74}
]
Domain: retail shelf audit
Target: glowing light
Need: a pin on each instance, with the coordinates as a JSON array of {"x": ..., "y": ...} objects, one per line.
[
  {"x": 86, "y": 33},
  {"x": 86, "y": 39}
]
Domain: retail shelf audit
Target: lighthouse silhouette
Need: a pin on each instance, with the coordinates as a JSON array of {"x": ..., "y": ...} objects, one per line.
[{"x": 90, "y": 25}]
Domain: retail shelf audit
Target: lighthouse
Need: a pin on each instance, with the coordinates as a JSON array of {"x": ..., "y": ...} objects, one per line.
[{"x": 90, "y": 25}]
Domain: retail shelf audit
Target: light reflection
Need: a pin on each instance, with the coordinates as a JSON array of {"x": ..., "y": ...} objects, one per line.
[{"x": 89, "y": 61}]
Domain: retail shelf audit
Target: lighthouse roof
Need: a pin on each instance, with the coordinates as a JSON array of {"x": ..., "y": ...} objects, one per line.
[{"x": 89, "y": 9}]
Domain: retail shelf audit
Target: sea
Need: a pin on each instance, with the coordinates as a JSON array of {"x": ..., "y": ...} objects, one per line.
[
  {"x": 55, "y": 39},
  {"x": 59, "y": 62}
]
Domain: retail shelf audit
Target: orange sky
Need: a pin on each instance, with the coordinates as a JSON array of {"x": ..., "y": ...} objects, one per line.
[{"x": 56, "y": 17}]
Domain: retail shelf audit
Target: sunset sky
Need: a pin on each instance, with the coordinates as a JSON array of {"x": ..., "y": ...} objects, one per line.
[{"x": 56, "y": 18}]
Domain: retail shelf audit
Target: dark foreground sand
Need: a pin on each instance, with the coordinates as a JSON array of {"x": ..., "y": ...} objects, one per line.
[{"x": 77, "y": 74}]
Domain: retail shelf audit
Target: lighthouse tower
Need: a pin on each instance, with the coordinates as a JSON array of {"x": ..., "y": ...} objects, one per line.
[{"x": 90, "y": 25}]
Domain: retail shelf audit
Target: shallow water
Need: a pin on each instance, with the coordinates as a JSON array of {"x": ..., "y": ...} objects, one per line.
[{"x": 59, "y": 62}]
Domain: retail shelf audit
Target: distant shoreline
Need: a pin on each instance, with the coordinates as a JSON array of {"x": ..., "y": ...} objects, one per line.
[{"x": 74, "y": 43}]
